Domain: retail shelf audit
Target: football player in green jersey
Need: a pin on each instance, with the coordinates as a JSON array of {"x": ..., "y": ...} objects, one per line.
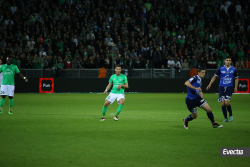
[
  {"x": 119, "y": 82},
  {"x": 8, "y": 84}
]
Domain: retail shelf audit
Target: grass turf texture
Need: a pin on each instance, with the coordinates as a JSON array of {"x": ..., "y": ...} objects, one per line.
[{"x": 64, "y": 130}]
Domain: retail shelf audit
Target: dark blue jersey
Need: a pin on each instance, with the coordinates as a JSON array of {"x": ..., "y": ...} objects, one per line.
[
  {"x": 226, "y": 75},
  {"x": 196, "y": 82}
]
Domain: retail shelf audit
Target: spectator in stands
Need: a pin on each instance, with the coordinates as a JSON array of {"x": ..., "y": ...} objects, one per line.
[
  {"x": 138, "y": 28},
  {"x": 185, "y": 65},
  {"x": 177, "y": 65},
  {"x": 239, "y": 64},
  {"x": 67, "y": 63},
  {"x": 241, "y": 54},
  {"x": 36, "y": 62},
  {"x": 157, "y": 58},
  {"x": 171, "y": 63},
  {"x": 75, "y": 63},
  {"x": 238, "y": 7}
]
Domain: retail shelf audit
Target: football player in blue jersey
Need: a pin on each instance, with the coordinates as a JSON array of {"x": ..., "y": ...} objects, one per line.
[
  {"x": 226, "y": 89},
  {"x": 194, "y": 98}
]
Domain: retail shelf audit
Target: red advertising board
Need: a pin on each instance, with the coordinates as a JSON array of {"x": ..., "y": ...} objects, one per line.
[
  {"x": 243, "y": 86},
  {"x": 46, "y": 85}
]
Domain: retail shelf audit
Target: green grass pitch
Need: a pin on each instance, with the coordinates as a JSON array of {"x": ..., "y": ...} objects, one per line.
[{"x": 64, "y": 130}]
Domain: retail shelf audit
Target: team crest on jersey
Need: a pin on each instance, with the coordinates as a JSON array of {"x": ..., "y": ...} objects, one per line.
[{"x": 231, "y": 71}]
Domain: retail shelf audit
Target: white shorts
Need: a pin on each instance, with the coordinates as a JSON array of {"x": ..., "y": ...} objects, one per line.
[
  {"x": 1, "y": 82},
  {"x": 7, "y": 90},
  {"x": 112, "y": 97}
]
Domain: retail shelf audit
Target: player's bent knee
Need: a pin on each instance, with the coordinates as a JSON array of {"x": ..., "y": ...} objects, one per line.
[
  {"x": 106, "y": 104},
  {"x": 227, "y": 103},
  {"x": 194, "y": 115}
]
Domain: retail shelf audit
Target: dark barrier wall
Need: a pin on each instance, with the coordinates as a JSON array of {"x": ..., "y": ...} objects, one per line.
[{"x": 99, "y": 85}]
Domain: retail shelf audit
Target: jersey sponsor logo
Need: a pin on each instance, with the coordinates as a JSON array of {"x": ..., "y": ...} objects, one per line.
[
  {"x": 8, "y": 71},
  {"x": 227, "y": 79}
]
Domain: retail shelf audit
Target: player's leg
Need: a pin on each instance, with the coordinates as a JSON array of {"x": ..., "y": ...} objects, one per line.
[
  {"x": 11, "y": 89},
  {"x": 210, "y": 115},
  {"x": 11, "y": 101},
  {"x": 109, "y": 100},
  {"x": 121, "y": 100},
  {"x": 191, "y": 105},
  {"x": 119, "y": 109},
  {"x": 229, "y": 109},
  {"x": 104, "y": 109},
  {"x": 4, "y": 93},
  {"x": 229, "y": 93},
  {"x": 222, "y": 100},
  {"x": 224, "y": 110}
]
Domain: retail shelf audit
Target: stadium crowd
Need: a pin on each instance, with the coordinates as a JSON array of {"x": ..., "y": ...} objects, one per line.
[{"x": 76, "y": 34}]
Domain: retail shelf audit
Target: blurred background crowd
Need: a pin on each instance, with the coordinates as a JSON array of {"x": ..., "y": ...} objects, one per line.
[{"x": 161, "y": 34}]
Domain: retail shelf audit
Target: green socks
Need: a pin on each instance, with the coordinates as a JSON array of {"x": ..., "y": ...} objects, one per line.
[
  {"x": 11, "y": 101},
  {"x": 2, "y": 101},
  {"x": 104, "y": 110},
  {"x": 119, "y": 109}
]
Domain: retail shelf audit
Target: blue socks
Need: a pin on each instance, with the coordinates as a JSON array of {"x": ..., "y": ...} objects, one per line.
[
  {"x": 229, "y": 109},
  {"x": 189, "y": 118},
  {"x": 211, "y": 116},
  {"x": 224, "y": 111}
]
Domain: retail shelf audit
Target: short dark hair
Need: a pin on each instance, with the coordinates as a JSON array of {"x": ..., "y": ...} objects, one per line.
[
  {"x": 201, "y": 68},
  {"x": 228, "y": 57},
  {"x": 118, "y": 65}
]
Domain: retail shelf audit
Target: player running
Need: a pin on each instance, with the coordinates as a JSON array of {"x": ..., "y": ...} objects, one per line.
[
  {"x": 8, "y": 84},
  {"x": 119, "y": 82},
  {"x": 195, "y": 98},
  {"x": 226, "y": 89}
]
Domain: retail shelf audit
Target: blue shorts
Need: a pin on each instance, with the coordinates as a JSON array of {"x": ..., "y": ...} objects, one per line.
[
  {"x": 193, "y": 103},
  {"x": 225, "y": 93}
]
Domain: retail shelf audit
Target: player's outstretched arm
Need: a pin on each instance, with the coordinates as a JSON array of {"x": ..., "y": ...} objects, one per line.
[
  {"x": 211, "y": 82},
  {"x": 188, "y": 84},
  {"x": 107, "y": 88},
  {"x": 22, "y": 76}
]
